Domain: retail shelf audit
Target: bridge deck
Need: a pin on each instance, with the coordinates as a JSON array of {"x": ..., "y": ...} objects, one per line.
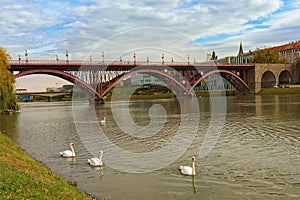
[{"x": 20, "y": 65}]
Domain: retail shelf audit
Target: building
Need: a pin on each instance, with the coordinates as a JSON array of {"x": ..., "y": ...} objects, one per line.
[
  {"x": 289, "y": 51},
  {"x": 139, "y": 80},
  {"x": 240, "y": 58}
]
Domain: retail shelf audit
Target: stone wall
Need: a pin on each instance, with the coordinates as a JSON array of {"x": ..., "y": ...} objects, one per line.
[{"x": 276, "y": 69}]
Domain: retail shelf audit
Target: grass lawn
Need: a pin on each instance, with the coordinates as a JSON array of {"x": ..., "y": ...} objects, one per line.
[
  {"x": 272, "y": 91},
  {"x": 22, "y": 177}
]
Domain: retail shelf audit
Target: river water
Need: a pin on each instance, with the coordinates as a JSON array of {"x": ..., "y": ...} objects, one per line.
[{"x": 256, "y": 156}]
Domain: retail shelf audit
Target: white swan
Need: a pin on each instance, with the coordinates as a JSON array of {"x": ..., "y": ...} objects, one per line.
[
  {"x": 103, "y": 120},
  {"x": 187, "y": 170},
  {"x": 68, "y": 153},
  {"x": 96, "y": 162}
]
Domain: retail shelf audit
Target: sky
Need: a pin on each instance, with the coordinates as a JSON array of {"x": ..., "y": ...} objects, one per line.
[{"x": 86, "y": 28}]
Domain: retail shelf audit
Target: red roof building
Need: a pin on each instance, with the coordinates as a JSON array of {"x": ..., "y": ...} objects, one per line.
[{"x": 289, "y": 51}]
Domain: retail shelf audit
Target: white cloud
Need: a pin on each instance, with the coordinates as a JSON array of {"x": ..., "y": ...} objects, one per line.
[
  {"x": 47, "y": 28},
  {"x": 80, "y": 25}
]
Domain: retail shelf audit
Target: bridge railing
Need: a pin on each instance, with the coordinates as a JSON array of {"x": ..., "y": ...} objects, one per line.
[{"x": 117, "y": 63}]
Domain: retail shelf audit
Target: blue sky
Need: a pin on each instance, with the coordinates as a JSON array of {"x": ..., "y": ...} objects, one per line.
[{"x": 49, "y": 28}]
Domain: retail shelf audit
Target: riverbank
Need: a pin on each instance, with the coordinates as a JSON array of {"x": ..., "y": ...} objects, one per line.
[
  {"x": 278, "y": 91},
  {"x": 22, "y": 177},
  {"x": 168, "y": 95}
]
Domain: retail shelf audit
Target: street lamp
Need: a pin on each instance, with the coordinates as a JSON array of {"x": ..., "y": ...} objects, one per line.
[
  {"x": 134, "y": 57},
  {"x": 102, "y": 57},
  {"x": 26, "y": 55},
  {"x": 162, "y": 58},
  {"x": 67, "y": 55}
]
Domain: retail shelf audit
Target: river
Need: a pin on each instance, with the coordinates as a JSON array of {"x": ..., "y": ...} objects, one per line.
[{"x": 255, "y": 156}]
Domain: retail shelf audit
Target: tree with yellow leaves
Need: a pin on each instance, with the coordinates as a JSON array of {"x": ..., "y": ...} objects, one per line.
[{"x": 7, "y": 80}]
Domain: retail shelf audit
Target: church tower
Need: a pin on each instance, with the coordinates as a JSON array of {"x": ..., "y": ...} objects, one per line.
[{"x": 241, "y": 49}]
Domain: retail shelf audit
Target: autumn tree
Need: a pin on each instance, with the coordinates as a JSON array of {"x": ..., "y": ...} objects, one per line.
[
  {"x": 7, "y": 96},
  {"x": 266, "y": 56},
  {"x": 298, "y": 62}
]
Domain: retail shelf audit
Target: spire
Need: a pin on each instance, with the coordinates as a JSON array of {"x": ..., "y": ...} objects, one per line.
[{"x": 241, "y": 49}]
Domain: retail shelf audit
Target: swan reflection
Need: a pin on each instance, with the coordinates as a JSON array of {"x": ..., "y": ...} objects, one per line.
[{"x": 194, "y": 183}]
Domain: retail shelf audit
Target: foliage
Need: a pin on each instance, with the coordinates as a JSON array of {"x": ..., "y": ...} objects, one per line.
[
  {"x": 267, "y": 56},
  {"x": 22, "y": 177},
  {"x": 298, "y": 61},
  {"x": 7, "y": 96}
]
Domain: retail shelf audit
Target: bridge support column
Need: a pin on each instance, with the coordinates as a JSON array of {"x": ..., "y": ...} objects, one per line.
[
  {"x": 97, "y": 100},
  {"x": 257, "y": 86}
]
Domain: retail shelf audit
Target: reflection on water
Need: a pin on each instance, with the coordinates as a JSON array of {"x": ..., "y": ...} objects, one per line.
[{"x": 256, "y": 157}]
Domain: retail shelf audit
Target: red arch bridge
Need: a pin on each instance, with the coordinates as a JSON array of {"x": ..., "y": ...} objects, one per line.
[{"x": 181, "y": 77}]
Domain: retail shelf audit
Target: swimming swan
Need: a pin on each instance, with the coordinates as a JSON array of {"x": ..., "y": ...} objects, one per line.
[
  {"x": 96, "y": 162},
  {"x": 187, "y": 170},
  {"x": 68, "y": 153}
]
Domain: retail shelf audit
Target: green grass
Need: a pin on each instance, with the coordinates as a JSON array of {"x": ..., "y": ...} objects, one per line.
[
  {"x": 124, "y": 93},
  {"x": 215, "y": 93},
  {"x": 272, "y": 91},
  {"x": 143, "y": 96},
  {"x": 22, "y": 177}
]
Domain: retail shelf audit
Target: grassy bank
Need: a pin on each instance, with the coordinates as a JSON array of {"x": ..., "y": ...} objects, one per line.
[
  {"x": 144, "y": 96},
  {"x": 216, "y": 93},
  {"x": 168, "y": 95},
  {"x": 272, "y": 91},
  {"x": 22, "y": 177}
]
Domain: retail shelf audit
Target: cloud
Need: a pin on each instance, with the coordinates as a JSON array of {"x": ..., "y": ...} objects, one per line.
[
  {"x": 79, "y": 25},
  {"x": 47, "y": 28}
]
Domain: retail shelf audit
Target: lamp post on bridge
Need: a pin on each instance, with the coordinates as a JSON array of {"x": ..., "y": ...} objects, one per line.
[
  {"x": 134, "y": 58},
  {"x": 163, "y": 58},
  {"x": 67, "y": 55},
  {"x": 102, "y": 57},
  {"x": 26, "y": 55}
]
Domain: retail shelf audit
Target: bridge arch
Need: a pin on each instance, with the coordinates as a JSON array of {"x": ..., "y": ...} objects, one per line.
[
  {"x": 285, "y": 77},
  {"x": 174, "y": 84},
  {"x": 268, "y": 79},
  {"x": 63, "y": 75},
  {"x": 231, "y": 77}
]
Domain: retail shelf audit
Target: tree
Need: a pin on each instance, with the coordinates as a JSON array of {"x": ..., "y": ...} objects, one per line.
[
  {"x": 298, "y": 62},
  {"x": 7, "y": 96},
  {"x": 266, "y": 56}
]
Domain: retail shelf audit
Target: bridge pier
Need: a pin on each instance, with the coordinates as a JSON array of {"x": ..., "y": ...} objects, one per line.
[{"x": 97, "y": 100}]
